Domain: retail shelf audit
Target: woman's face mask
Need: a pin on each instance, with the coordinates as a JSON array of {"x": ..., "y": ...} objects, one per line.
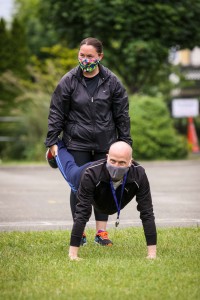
[
  {"x": 88, "y": 65},
  {"x": 116, "y": 173}
]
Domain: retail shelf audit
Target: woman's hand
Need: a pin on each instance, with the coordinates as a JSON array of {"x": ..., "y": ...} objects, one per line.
[{"x": 54, "y": 150}]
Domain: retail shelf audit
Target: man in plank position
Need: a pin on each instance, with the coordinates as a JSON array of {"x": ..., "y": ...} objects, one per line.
[{"x": 108, "y": 185}]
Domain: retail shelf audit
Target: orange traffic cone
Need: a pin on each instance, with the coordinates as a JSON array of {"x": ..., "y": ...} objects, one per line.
[{"x": 192, "y": 136}]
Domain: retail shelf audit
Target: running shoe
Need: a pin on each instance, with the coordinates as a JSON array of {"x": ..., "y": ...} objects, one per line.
[
  {"x": 83, "y": 240},
  {"x": 102, "y": 239}
]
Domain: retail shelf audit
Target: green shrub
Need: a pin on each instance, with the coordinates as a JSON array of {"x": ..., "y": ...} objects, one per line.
[
  {"x": 30, "y": 132},
  {"x": 152, "y": 130},
  {"x": 29, "y": 99}
]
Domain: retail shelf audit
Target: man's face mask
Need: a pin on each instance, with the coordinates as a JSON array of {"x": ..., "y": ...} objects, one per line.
[
  {"x": 88, "y": 65},
  {"x": 116, "y": 173}
]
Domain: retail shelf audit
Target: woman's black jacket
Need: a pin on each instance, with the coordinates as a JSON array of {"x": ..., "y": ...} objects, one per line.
[{"x": 89, "y": 122}]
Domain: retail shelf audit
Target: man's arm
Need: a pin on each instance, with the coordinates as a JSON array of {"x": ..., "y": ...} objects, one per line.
[
  {"x": 145, "y": 207},
  {"x": 85, "y": 197}
]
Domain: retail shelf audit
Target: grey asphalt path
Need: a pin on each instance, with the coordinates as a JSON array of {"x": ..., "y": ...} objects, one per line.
[{"x": 37, "y": 197}]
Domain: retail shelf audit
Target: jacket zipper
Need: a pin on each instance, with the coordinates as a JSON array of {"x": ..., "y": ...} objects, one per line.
[{"x": 92, "y": 100}]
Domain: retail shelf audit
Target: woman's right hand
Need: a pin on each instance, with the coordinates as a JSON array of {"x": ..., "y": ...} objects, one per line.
[{"x": 54, "y": 150}]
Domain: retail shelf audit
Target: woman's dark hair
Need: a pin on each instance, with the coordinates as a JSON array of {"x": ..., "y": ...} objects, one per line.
[{"x": 93, "y": 42}]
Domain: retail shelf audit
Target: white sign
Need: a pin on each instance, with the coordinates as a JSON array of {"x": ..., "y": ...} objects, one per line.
[{"x": 185, "y": 108}]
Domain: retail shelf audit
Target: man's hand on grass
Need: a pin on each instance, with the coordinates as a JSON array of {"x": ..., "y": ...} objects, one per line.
[
  {"x": 151, "y": 252},
  {"x": 74, "y": 258},
  {"x": 73, "y": 253}
]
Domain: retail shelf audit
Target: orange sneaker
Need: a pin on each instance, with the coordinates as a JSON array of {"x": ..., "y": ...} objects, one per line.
[{"x": 102, "y": 239}]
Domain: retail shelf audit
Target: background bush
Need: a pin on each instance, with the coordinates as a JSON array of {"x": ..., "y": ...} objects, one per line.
[
  {"x": 29, "y": 99},
  {"x": 152, "y": 130}
]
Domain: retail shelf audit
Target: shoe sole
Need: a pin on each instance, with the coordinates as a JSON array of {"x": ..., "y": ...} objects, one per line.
[
  {"x": 83, "y": 245},
  {"x": 103, "y": 245}
]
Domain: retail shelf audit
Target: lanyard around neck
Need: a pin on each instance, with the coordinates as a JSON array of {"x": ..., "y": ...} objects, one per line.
[{"x": 118, "y": 203}]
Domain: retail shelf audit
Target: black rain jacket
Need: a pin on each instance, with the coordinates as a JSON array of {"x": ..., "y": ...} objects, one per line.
[{"x": 89, "y": 122}]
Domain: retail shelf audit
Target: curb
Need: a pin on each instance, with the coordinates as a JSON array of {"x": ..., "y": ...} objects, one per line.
[{"x": 64, "y": 225}]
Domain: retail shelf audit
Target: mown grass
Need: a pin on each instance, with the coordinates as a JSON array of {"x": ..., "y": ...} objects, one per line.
[{"x": 35, "y": 265}]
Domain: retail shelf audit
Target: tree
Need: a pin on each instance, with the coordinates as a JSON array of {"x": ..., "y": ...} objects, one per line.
[
  {"x": 137, "y": 35},
  {"x": 13, "y": 47},
  {"x": 4, "y": 47},
  {"x": 14, "y": 58},
  {"x": 39, "y": 34},
  {"x": 20, "y": 54}
]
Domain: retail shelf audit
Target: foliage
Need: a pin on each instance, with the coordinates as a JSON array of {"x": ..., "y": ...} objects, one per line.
[
  {"x": 19, "y": 52},
  {"x": 4, "y": 46},
  {"x": 152, "y": 128},
  {"x": 38, "y": 34},
  {"x": 137, "y": 35},
  {"x": 13, "y": 48},
  {"x": 154, "y": 136},
  {"x": 35, "y": 265},
  {"x": 23, "y": 132},
  {"x": 29, "y": 99},
  {"x": 58, "y": 61}
]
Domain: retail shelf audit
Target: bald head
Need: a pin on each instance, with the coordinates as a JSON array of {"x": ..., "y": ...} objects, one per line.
[{"x": 120, "y": 154}]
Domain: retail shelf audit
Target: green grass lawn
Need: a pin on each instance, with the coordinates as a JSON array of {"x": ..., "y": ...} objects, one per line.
[{"x": 35, "y": 265}]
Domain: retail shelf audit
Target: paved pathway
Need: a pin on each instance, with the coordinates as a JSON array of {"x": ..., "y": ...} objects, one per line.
[{"x": 37, "y": 197}]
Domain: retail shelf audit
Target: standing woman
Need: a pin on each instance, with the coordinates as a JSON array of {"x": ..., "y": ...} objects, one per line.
[{"x": 90, "y": 108}]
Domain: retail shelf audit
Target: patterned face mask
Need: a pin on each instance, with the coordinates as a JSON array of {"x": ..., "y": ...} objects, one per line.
[{"x": 88, "y": 65}]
